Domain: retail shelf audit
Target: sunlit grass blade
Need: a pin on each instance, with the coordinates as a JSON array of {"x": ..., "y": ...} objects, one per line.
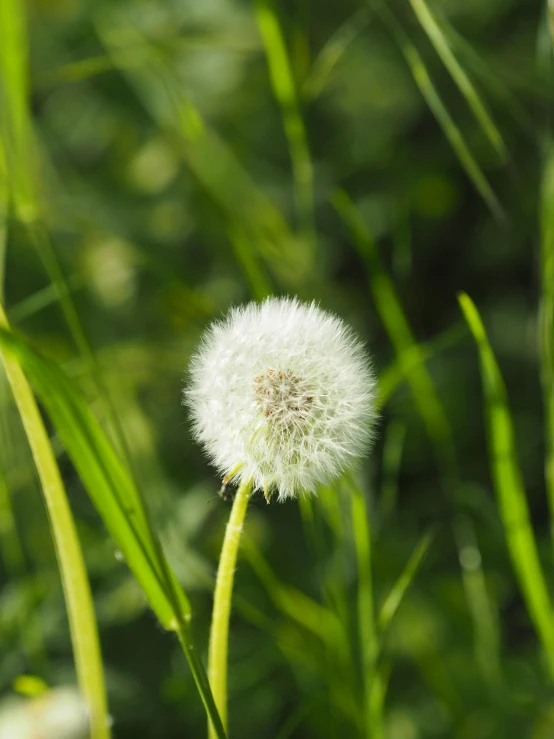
[
  {"x": 333, "y": 51},
  {"x": 78, "y": 597},
  {"x": 117, "y": 500},
  {"x": 440, "y": 42},
  {"x": 367, "y": 631},
  {"x": 284, "y": 89},
  {"x": 509, "y": 488},
  {"x": 394, "y": 598},
  {"x": 449, "y": 127},
  {"x": 547, "y": 323},
  {"x": 15, "y": 122}
]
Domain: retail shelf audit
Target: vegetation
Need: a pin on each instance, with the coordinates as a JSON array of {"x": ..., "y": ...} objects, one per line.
[{"x": 160, "y": 162}]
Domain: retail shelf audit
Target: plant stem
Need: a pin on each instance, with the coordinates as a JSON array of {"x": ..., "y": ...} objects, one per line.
[
  {"x": 219, "y": 633},
  {"x": 78, "y": 598}
]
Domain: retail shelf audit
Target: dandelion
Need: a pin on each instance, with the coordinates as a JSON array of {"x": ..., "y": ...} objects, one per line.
[
  {"x": 281, "y": 396},
  {"x": 281, "y": 393}
]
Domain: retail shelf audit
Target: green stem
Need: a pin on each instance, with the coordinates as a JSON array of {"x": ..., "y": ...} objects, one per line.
[
  {"x": 219, "y": 633},
  {"x": 78, "y": 597}
]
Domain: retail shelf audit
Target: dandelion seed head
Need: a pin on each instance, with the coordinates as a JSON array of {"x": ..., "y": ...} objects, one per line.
[{"x": 281, "y": 392}]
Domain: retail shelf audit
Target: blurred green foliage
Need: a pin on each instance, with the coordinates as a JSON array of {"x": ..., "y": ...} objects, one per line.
[{"x": 164, "y": 161}]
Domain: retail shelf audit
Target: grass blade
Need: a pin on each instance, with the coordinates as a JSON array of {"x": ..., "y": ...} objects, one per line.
[
  {"x": 389, "y": 307},
  {"x": 509, "y": 487},
  {"x": 368, "y": 638},
  {"x": 547, "y": 324},
  {"x": 392, "y": 457},
  {"x": 284, "y": 89},
  {"x": 394, "y": 598},
  {"x": 78, "y": 597},
  {"x": 483, "y": 609},
  {"x": 117, "y": 500},
  {"x": 332, "y": 52},
  {"x": 458, "y": 74},
  {"x": 450, "y": 129},
  {"x": 16, "y": 129}
]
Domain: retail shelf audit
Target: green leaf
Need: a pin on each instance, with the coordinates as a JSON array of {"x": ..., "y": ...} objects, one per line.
[{"x": 116, "y": 498}]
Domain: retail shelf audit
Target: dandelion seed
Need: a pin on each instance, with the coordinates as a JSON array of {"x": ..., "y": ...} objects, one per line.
[{"x": 281, "y": 393}]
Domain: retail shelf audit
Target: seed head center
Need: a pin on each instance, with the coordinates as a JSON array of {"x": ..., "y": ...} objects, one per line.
[{"x": 283, "y": 397}]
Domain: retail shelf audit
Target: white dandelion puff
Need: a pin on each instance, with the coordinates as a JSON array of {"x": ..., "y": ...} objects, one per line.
[{"x": 281, "y": 393}]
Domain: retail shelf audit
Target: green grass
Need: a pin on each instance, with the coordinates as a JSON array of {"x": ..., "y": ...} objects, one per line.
[
  {"x": 118, "y": 502},
  {"x": 509, "y": 488},
  {"x": 405, "y": 600}
]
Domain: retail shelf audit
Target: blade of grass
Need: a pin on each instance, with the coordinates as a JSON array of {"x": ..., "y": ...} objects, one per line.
[
  {"x": 284, "y": 90},
  {"x": 439, "y": 40},
  {"x": 547, "y": 324},
  {"x": 260, "y": 285},
  {"x": 390, "y": 310},
  {"x": 331, "y": 53},
  {"x": 394, "y": 375},
  {"x": 509, "y": 488},
  {"x": 367, "y": 632},
  {"x": 394, "y": 598},
  {"x": 118, "y": 501},
  {"x": 316, "y": 619},
  {"x": 485, "y": 615},
  {"x": 78, "y": 597},
  {"x": 14, "y": 111},
  {"x": 432, "y": 98},
  {"x": 392, "y": 457}
]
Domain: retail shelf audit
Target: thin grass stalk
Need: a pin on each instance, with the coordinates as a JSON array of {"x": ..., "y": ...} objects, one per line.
[
  {"x": 369, "y": 642},
  {"x": 219, "y": 632},
  {"x": 78, "y": 596},
  {"x": 284, "y": 89},
  {"x": 510, "y": 490},
  {"x": 547, "y": 325}
]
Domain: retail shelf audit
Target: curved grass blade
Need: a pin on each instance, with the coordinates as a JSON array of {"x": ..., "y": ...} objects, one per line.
[
  {"x": 450, "y": 129},
  {"x": 78, "y": 597},
  {"x": 509, "y": 488},
  {"x": 117, "y": 500},
  {"x": 332, "y": 52},
  {"x": 547, "y": 323},
  {"x": 442, "y": 47},
  {"x": 284, "y": 89}
]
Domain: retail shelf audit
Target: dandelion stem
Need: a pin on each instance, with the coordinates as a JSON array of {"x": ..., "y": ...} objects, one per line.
[{"x": 219, "y": 633}]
